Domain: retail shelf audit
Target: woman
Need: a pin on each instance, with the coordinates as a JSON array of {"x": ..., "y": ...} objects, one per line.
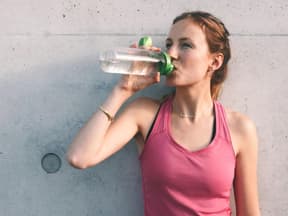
[{"x": 192, "y": 149}]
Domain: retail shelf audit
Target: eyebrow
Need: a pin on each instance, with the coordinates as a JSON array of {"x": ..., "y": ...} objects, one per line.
[{"x": 180, "y": 39}]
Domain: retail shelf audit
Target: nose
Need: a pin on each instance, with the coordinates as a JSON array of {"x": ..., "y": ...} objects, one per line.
[{"x": 172, "y": 52}]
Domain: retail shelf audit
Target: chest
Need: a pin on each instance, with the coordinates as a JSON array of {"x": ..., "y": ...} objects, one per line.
[
  {"x": 192, "y": 136},
  {"x": 167, "y": 165}
]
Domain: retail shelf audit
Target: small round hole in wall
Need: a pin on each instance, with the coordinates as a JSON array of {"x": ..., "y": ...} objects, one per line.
[{"x": 51, "y": 162}]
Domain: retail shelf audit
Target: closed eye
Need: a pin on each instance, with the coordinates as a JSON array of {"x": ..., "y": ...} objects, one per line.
[{"x": 186, "y": 46}]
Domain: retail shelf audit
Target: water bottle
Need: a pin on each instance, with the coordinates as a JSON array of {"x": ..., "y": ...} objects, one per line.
[{"x": 136, "y": 61}]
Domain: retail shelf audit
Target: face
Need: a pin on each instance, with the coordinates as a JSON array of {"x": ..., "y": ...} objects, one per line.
[{"x": 188, "y": 48}]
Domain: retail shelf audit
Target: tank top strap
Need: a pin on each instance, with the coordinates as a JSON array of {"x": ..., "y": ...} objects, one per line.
[
  {"x": 161, "y": 122},
  {"x": 223, "y": 125},
  {"x": 167, "y": 108}
]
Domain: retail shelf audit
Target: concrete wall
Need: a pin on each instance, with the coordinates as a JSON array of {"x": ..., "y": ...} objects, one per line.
[{"x": 50, "y": 84}]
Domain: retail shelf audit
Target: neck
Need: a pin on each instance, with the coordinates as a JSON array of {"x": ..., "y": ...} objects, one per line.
[{"x": 192, "y": 104}]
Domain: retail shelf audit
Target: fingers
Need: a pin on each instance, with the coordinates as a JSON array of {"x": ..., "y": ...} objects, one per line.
[
  {"x": 153, "y": 48},
  {"x": 155, "y": 78},
  {"x": 158, "y": 77},
  {"x": 138, "y": 82},
  {"x": 134, "y": 45},
  {"x": 156, "y": 49}
]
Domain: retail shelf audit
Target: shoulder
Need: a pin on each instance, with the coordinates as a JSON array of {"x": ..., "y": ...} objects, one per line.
[
  {"x": 142, "y": 109},
  {"x": 242, "y": 129},
  {"x": 240, "y": 122},
  {"x": 144, "y": 104},
  {"x": 147, "y": 104}
]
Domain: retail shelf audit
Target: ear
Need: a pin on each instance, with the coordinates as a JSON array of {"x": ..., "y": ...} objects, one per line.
[{"x": 216, "y": 61}]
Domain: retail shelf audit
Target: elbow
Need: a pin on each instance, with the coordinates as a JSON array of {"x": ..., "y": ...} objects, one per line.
[{"x": 76, "y": 162}]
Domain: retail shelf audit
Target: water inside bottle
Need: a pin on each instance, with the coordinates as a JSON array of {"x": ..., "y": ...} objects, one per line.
[
  {"x": 127, "y": 62},
  {"x": 126, "y": 67}
]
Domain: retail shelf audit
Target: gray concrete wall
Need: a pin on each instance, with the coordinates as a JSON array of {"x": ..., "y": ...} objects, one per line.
[{"x": 50, "y": 83}]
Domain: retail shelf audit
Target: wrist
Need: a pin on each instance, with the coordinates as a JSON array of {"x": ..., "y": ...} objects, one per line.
[
  {"x": 115, "y": 100},
  {"x": 122, "y": 91}
]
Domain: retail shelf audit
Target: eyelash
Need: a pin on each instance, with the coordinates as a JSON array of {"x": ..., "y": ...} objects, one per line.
[
  {"x": 183, "y": 45},
  {"x": 168, "y": 46},
  {"x": 186, "y": 45}
]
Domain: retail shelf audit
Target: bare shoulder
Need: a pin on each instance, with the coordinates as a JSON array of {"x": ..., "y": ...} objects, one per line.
[
  {"x": 243, "y": 130},
  {"x": 240, "y": 122},
  {"x": 143, "y": 105},
  {"x": 145, "y": 101},
  {"x": 143, "y": 110}
]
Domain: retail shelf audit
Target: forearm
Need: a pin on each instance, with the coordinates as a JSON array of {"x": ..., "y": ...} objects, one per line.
[
  {"x": 252, "y": 214},
  {"x": 90, "y": 138}
]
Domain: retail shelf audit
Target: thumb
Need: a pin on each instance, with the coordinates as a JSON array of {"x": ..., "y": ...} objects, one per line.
[{"x": 156, "y": 77}]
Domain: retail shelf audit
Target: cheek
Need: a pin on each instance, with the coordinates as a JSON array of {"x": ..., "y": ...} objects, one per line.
[
  {"x": 198, "y": 63},
  {"x": 190, "y": 58}
]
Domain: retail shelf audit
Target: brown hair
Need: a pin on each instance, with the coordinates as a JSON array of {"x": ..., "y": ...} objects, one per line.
[{"x": 217, "y": 39}]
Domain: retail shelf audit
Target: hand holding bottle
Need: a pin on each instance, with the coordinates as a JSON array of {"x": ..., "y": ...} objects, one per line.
[
  {"x": 133, "y": 82},
  {"x": 124, "y": 60},
  {"x": 141, "y": 65}
]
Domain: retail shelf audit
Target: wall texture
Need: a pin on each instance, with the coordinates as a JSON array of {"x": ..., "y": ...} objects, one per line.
[{"x": 50, "y": 84}]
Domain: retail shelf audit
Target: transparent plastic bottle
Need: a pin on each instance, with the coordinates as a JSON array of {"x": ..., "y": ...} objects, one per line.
[{"x": 136, "y": 61}]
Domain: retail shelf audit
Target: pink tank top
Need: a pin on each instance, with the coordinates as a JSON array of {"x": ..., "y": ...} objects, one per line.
[{"x": 178, "y": 182}]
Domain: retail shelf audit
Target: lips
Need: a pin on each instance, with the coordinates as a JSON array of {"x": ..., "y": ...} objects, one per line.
[{"x": 175, "y": 65}]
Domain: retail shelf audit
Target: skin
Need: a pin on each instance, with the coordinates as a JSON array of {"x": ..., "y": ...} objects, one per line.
[{"x": 188, "y": 48}]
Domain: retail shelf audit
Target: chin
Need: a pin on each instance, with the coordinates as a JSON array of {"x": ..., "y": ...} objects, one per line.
[
  {"x": 170, "y": 85},
  {"x": 171, "y": 81}
]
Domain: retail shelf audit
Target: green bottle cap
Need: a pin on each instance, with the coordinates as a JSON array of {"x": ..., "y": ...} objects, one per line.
[{"x": 165, "y": 67}]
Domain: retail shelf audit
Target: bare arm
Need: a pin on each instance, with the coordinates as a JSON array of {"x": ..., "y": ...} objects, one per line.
[
  {"x": 245, "y": 183},
  {"x": 100, "y": 138}
]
